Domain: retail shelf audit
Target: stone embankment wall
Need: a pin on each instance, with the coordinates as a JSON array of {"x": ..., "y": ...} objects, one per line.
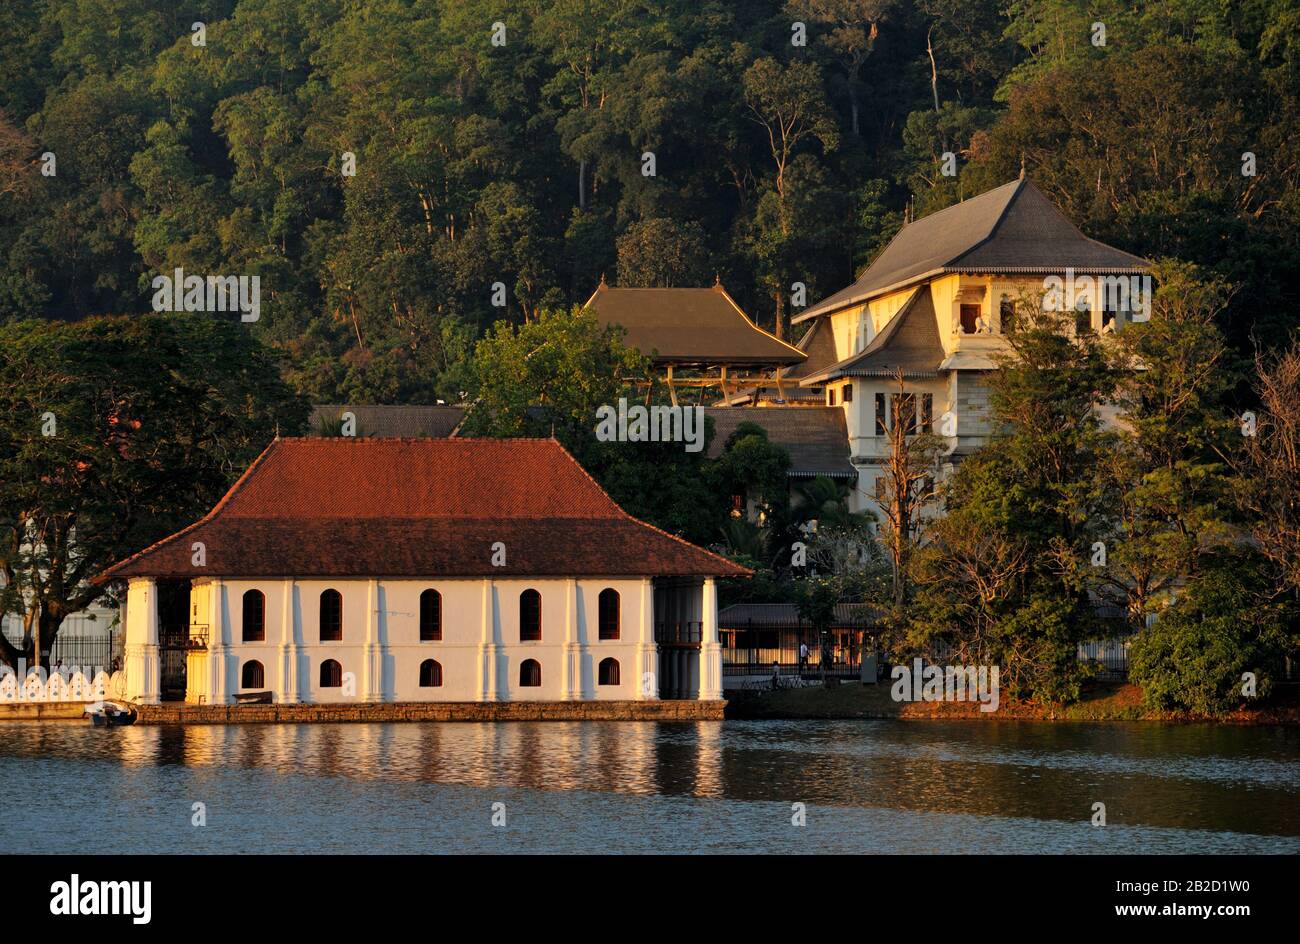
[{"x": 685, "y": 710}]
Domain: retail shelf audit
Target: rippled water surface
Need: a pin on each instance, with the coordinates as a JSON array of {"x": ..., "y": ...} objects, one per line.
[{"x": 867, "y": 786}]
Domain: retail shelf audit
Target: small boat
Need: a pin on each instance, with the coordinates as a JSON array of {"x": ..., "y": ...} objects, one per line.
[{"x": 110, "y": 714}]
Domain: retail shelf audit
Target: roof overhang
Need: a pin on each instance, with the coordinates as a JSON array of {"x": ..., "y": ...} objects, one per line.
[
  {"x": 837, "y": 373},
  {"x": 819, "y": 310},
  {"x": 847, "y": 475}
]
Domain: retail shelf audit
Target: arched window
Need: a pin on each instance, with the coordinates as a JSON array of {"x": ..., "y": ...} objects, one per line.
[
  {"x": 608, "y": 613},
  {"x": 530, "y": 673},
  {"x": 530, "y": 616},
  {"x": 252, "y": 675},
  {"x": 331, "y": 674},
  {"x": 608, "y": 672},
  {"x": 331, "y": 616},
  {"x": 430, "y": 616},
  {"x": 430, "y": 674},
  {"x": 254, "y": 616}
]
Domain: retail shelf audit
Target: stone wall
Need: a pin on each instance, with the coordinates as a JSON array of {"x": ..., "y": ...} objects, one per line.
[
  {"x": 974, "y": 409},
  {"x": 178, "y": 713},
  {"x": 45, "y": 711}
]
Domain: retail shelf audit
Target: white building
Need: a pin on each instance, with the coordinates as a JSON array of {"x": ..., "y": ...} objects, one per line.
[
  {"x": 936, "y": 305},
  {"x": 411, "y": 570}
]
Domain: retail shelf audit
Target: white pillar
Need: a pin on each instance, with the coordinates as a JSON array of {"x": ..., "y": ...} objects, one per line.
[
  {"x": 572, "y": 643},
  {"x": 288, "y": 689},
  {"x": 217, "y": 694},
  {"x": 710, "y": 649},
  {"x": 141, "y": 644},
  {"x": 487, "y": 672},
  {"x": 647, "y": 652},
  {"x": 374, "y": 658}
]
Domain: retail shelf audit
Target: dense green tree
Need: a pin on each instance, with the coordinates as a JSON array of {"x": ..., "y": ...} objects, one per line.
[
  {"x": 1001, "y": 577},
  {"x": 662, "y": 253},
  {"x": 518, "y": 162},
  {"x": 1168, "y": 482},
  {"x": 1220, "y": 646},
  {"x": 114, "y": 433}
]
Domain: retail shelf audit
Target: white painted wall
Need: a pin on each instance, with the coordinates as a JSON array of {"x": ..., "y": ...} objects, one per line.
[{"x": 480, "y": 650}]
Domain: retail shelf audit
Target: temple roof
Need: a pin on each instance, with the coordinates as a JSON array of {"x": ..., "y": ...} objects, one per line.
[
  {"x": 818, "y": 343},
  {"x": 427, "y": 508},
  {"x": 1013, "y": 229},
  {"x": 701, "y": 326},
  {"x": 908, "y": 342}
]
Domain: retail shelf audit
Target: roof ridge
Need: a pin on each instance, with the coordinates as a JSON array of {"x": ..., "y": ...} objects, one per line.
[
  {"x": 902, "y": 230},
  {"x": 422, "y": 440},
  {"x": 586, "y": 507},
  {"x": 997, "y": 224}
]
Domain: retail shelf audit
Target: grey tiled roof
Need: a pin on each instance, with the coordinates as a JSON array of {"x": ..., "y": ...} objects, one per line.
[
  {"x": 1010, "y": 229},
  {"x": 816, "y": 437},
  {"x": 908, "y": 342},
  {"x": 390, "y": 422},
  {"x": 689, "y": 326},
  {"x": 819, "y": 344}
]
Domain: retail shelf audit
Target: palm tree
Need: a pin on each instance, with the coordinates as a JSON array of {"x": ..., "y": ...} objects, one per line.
[
  {"x": 826, "y": 502},
  {"x": 745, "y": 538}
]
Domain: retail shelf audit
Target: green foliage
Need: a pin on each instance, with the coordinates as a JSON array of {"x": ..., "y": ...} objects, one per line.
[
  {"x": 1000, "y": 576},
  {"x": 550, "y": 374},
  {"x": 752, "y": 466},
  {"x": 1222, "y": 626},
  {"x": 1168, "y": 487},
  {"x": 662, "y": 253},
  {"x": 520, "y": 164},
  {"x": 114, "y": 433}
]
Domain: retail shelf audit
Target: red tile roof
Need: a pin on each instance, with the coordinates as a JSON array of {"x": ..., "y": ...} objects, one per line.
[{"x": 350, "y": 507}]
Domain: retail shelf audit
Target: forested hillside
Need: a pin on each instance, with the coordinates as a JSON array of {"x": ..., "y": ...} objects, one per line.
[{"x": 508, "y": 143}]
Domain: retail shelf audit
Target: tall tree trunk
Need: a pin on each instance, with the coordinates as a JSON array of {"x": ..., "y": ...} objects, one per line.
[
  {"x": 934, "y": 69},
  {"x": 899, "y": 569},
  {"x": 582, "y": 185},
  {"x": 47, "y": 629}
]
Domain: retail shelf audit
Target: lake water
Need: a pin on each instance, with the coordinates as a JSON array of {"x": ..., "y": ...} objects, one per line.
[{"x": 866, "y": 786}]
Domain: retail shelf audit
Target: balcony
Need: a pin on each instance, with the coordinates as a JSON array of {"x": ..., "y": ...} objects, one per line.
[
  {"x": 193, "y": 636},
  {"x": 679, "y": 633}
]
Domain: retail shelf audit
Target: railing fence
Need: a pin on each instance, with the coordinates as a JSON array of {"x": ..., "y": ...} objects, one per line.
[{"x": 81, "y": 641}]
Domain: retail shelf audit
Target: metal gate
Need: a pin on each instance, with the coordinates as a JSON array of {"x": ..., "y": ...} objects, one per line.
[{"x": 173, "y": 647}]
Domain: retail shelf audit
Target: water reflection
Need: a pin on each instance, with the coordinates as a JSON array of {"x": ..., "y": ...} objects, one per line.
[{"x": 1228, "y": 786}]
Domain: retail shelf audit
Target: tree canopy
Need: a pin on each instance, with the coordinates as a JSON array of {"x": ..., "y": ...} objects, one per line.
[{"x": 385, "y": 166}]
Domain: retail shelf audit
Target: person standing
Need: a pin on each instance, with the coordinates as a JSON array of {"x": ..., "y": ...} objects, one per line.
[{"x": 803, "y": 656}]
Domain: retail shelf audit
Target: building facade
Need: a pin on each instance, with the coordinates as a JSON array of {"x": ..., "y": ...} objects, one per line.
[
  {"x": 935, "y": 308},
  {"x": 400, "y": 570}
]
